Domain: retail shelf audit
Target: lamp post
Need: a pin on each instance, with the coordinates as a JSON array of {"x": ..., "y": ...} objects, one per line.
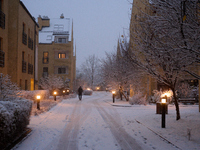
[
  {"x": 113, "y": 95},
  {"x": 163, "y": 108},
  {"x": 54, "y": 93},
  {"x": 67, "y": 91},
  {"x": 38, "y": 101}
]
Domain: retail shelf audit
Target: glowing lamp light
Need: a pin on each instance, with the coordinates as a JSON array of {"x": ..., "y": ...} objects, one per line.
[
  {"x": 68, "y": 91},
  {"x": 113, "y": 92},
  {"x": 88, "y": 89},
  {"x": 63, "y": 91},
  {"x": 163, "y": 100},
  {"x": 168, "y": 94},
  {"x": 97, "y": 88},
  {"x": 55, "y": 93},
  {"x": 38, "y": 97}
]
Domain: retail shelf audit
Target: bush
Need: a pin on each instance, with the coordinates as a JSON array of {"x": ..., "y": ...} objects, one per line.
[
  {"x": 32, "y": 94},
  {"x": 8, "y": 89},
  {"x": 138, "y": 99},
  {"x": 14, "y": 118}
]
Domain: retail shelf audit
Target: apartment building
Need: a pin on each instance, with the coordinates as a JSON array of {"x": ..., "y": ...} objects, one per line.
[
  {"x": 56, "y": 49},
  {"x": 18, "y": 43}
]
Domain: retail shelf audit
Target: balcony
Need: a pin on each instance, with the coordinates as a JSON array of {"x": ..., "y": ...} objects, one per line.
[
  {"x": 30, "y": 68},
  {"x": 2, "y": 20},
  {"x": 23, "y": 66},
  {"x": 2, "y": 58},
  {"x": 30, "y": 43},
  {"x": 24, "y": 38}
]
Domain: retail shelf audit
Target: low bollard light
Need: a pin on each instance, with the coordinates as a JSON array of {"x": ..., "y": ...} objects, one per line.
[
  {"x": 163, "y": 103},
  {"x": 55, "y": 93},
  {"x": 113, "y": 95},
  {"x": 38, "y": 97}
]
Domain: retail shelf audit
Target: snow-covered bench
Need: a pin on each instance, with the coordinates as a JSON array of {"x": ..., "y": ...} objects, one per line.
[{"x": 186, "y": 100}]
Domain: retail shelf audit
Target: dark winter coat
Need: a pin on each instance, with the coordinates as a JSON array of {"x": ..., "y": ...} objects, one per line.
[{"x": 80, "y": 90}]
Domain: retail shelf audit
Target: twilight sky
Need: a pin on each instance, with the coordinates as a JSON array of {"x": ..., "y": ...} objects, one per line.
[{"x": 97, "y": 23}]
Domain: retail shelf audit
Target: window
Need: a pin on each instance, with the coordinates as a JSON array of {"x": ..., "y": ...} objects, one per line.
[
  {"x": 30, "y": 41},
  {"x": 61, "y": 70},
  {"x": 2, "y": 16},
  {"x": 2, "y": 53},
  {"x": 61, "y": 55},
  {"x": 1, "y": 4},
  {"x": 49, "y": 37},
  {"x": 45, "y": 72},
  {"x": 58, "y": 27},
  {"x": 23, "y": 63},
  {"x": 26, "y": 85},
  {"x": 23, "y": 55},
  {"x": 1, "y": 44},
  {"x": 45, "y": 57},
  {"x": 20, "y": 83},
  {"x": 24, "y": 28},
  {"x": 24, "y": 35},
  {"x": 45, "y": 69},
  {"x": 62, "y": 40}
]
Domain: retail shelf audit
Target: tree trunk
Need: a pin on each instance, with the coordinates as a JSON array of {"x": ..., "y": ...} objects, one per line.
[{"x": 176, "y": 105}]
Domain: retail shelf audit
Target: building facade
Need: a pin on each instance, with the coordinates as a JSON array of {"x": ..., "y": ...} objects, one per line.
[
  {"x": 139, "y": 7},
  {"x": 148, "y": 84},
  {"x": 18, "y": 43},
  {"x": 56, "y": 54}
]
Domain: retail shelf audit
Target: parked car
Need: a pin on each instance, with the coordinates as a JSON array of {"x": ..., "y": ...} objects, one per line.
[{"x": 88, "y": 91}]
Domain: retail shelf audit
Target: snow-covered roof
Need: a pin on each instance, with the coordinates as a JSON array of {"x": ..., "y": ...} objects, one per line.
[{"x": 58, "y": 26}]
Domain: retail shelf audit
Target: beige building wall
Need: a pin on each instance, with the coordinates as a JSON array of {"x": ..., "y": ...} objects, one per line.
[
  {"x": 4, "y": 37},
  {"x": 148, "y": 84},
  {"x": 53, "y": 63},
  {"x": 20, "y": 50}
]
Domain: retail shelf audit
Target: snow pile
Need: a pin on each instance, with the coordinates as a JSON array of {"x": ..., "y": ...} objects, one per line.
[
  {"x": 138, "y": 99},
  {"x": 45, "y": 105},
  {"x": 14, "y": 118}
]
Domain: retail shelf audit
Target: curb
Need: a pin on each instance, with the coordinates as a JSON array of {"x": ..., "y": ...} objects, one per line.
[{"x": 117, "y": 105}]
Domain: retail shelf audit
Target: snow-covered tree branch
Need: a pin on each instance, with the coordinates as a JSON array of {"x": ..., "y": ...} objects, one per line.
[
  {"x": 165, "y": 41},
  {"x": 51, "y": 82},
  {"x": 7, "y": 88}
]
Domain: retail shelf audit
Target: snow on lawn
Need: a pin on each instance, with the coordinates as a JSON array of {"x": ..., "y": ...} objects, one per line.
[
  {"x": 141, "y": 122},
  {"x": 176, "y": 132}
]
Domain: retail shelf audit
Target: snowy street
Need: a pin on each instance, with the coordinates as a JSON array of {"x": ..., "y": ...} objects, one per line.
[{"x": 96, "y": 124}]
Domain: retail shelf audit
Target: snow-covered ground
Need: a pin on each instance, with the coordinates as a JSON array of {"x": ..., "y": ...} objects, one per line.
[{"x": 96, "y": 123}]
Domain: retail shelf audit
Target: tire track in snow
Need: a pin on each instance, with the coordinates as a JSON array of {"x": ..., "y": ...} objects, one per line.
[
  {"x": 125, "y": 141},
  {"x": 69, "y": 138}
]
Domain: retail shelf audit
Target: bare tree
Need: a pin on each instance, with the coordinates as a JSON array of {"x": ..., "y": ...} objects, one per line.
[
  {"x": 90, "y": 70},
  {"x": 165, "y": 41},
  {"x": 51, "y": 82}
]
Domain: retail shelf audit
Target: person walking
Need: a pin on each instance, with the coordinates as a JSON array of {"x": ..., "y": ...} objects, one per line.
[{"x": 80, "y": 91}]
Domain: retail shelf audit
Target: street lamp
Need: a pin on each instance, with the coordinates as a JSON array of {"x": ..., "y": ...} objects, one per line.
[
  {"x": 55, "y": 93},
  {"x": 163, "y": 108},
  {"x": 113, "y": 95},
  {"x": 38, "y": 97}
]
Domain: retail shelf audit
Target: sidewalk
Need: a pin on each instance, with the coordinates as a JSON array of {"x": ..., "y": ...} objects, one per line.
[{"x": 118, "y": 103}]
